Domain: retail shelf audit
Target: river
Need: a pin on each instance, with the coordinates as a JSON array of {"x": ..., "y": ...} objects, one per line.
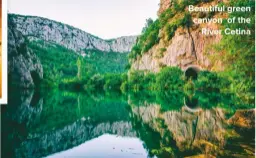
[{"x": 58, "y": 124}]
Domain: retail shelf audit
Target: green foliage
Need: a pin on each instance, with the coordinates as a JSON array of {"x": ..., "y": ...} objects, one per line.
[
  {"x": 211, "y": 81},
  {"x": 124, "y": 87},
  {"x": 148, "y": 23},
  {"x": 170, "y": 30},
  {"x": 150, "y": 33},
  {"x": 60, "y": 63},
  {"x": 150, "y": 37},
  {"x": 79, "y": 69},
  {"x": 112, "y": 82},
  {"x": 147, "y": 40},
  {"x": 170, "y": 100},
  {"x": 96, "y": 82},
  {"x": 106, "y": 62},
  {"x": 169, "y": 78},
  {"x": 186, "y": 21},
  {"x": 73, "y": 84},
  {"x": 189, "y": 86},
  {"x": 238, "y": 52},
  {"x": 136, "y": 80},
  {"x": 165, "y": 16}
]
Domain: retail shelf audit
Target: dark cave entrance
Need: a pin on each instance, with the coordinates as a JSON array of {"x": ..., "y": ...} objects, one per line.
[
  {"x": 191, "y": 102},
  {"x": 192, "y": 73}
]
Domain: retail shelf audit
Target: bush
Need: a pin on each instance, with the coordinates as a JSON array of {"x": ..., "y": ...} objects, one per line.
[
  {"x": 211, "y": 81},
  {"x": 170, "y": 30},
  {"x": 186, "y": 21},
  {"x": 136, "y": 80},
  {"x": 147, "y": 40},
  {"x": 112, "y": 82},
  {"x": 96, "y": 82},
  {"x": 169, "y": 78},
  {"x": 74, "y": 84}
]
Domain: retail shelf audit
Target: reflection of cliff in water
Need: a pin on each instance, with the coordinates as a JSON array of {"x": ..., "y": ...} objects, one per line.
[
  {"x": 206, "y": 131},
  {"x": 37, "y": 130},
  {"x": 35, "y": 125},
  {"x": 24, "y": 110}
]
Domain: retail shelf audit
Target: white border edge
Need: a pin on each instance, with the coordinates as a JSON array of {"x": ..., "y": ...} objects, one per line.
[{"x": 3, "y": 100}]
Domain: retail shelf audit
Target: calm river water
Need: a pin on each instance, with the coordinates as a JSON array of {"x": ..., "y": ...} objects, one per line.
[{"x": 59, "y": 124}]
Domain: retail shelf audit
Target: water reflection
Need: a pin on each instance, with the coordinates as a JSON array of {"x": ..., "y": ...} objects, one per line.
[
  {"x": 108, "y": 146},
  {"x": 167, "y": 124}
]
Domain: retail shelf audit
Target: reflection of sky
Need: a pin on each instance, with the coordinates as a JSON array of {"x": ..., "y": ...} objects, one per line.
[
  {"x": 107, "y": 146},
  {"x": 103, "y": 18}
]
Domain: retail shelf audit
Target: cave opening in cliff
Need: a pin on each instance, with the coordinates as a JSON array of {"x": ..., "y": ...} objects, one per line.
[
  {"x": 192, "y": 73},
  {"x": 191, "y": 102}
]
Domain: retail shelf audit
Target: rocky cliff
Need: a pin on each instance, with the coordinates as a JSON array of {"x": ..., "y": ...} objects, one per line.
[
  {"x": 163, "y": 6},
  {"x": 68, "y": 36},
  {"x": 24, "y": 68},
  {"x": 179, "y": 45}
]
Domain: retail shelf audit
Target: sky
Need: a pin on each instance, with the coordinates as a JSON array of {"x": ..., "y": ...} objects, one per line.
[{"x": 103, "y": 18}]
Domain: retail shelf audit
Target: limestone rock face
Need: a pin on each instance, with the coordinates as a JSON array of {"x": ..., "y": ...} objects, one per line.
[
  {"x": 68, "y": 36},
  {"x": 24, "y": 68},
  {"x": 243, "y": 119},
  {"x": 164, "y": 4},
  {"x": 185, "y": 49},
  {"x": 189, "y": 130}
]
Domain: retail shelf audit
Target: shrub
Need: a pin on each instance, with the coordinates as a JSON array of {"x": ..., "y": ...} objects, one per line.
[
  {"x": 136, "y": 80},
  {"x": 170, "y": 30},
  {"x": 186, "y": 21},
  {"x": 96, "y": 82},
  {"x": 149, "y": 81},
  {"x": 147, "y": 40},
  {"x": 74, "y": 84},
  {"x": 169, "y": 78},
  {"x": 211, "y": 81},
  {"x": 112, "y": 82}
]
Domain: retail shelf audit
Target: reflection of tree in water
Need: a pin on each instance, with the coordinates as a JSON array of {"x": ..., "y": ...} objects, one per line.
[
  {"x": 156, "y": 143},
  {"x": 204, "y": 131},
  {"x": 55, "y": 122},
  {"x": 63, "y": 119}
]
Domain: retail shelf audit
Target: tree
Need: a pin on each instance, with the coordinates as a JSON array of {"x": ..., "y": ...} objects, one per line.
[
  {"x": 169, "y": 78},
  {"x": 79, "y": 69},
  {"x": 148, "y": 23}
]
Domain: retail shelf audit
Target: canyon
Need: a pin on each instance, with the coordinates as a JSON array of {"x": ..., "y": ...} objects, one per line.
[
  {"x": 67, "y": 36},
  {"x": 187, "y": 47}
]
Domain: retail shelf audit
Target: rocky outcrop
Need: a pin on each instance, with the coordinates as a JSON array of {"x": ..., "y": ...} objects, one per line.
[
  {"x": 24, "y": 68},
  {"x": 187, "y": 47},
  {"x": 243, "y": 119},
  {"x": 122, "y": 44},
  {"x": 164, "y": 4},
  {"x": 68, "y": 36}
]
